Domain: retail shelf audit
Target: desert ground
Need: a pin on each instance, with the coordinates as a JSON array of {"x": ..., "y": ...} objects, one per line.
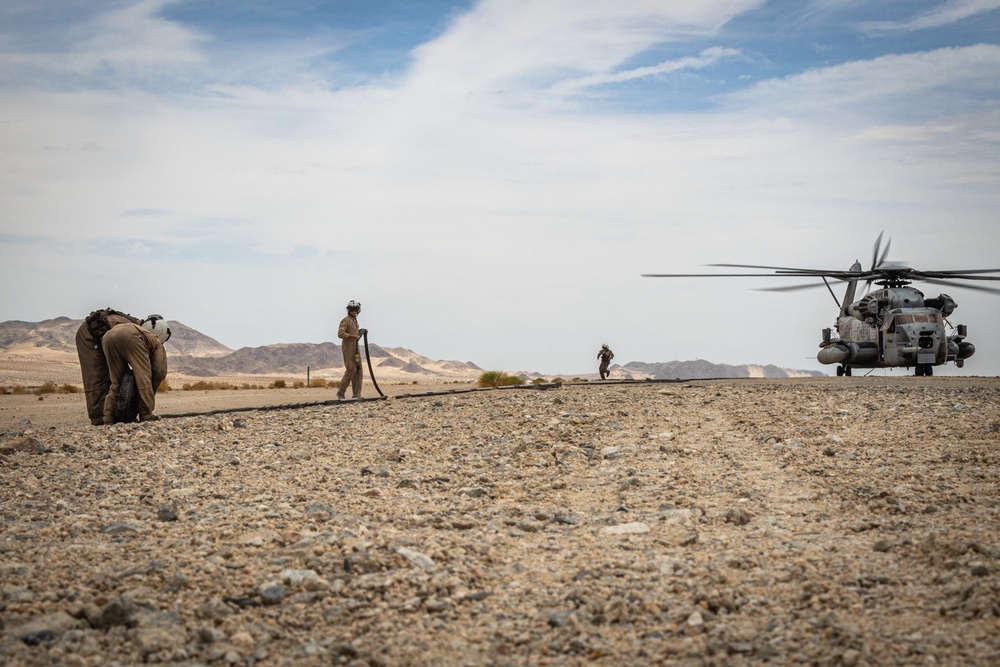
[{"x": 837, "y": 521}]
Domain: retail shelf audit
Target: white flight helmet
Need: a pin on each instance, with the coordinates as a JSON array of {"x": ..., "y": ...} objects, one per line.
[
  {"x": 354, "y": 305},
  {"x": 158, "y": 326}
]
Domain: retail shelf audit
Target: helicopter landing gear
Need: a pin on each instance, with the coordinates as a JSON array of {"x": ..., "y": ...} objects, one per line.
[
  {"x": 843, "y": 370},
  {"x": 924, "y": 369}
]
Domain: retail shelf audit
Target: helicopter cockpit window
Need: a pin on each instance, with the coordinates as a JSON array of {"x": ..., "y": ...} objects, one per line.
[{"x": 917, "y": 318}]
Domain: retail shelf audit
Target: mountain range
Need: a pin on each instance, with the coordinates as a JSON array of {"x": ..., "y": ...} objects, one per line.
[{"x": 192, "y": 353}]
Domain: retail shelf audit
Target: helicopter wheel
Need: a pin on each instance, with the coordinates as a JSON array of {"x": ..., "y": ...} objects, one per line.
[
  {"x": 840, "y": 371},
  {"x": 928, "y": 369},
  {"x": 847, "y": 371},
  {"x": 920, "y": 370}
]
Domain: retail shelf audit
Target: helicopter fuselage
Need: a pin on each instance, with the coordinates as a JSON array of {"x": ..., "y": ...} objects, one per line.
[{"x": 895, "y": 327}]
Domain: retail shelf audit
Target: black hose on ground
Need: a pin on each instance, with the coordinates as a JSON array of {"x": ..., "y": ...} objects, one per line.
[{"x": 371, "y": 373}]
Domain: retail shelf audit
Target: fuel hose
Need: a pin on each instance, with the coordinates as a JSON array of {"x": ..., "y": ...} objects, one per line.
[{"x": 371, "y": 373}]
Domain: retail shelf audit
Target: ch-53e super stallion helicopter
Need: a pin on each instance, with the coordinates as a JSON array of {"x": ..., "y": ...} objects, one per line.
[{"x": 892, "y": 327}]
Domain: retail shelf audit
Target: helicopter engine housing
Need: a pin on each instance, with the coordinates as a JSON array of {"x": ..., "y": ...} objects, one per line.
[{"x": 942, "y": 302}]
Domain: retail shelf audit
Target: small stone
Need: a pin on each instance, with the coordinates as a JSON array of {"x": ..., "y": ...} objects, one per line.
[
  {"x": 210, "y": 635},
  {"x": 117, "y": 612},
  {"x": 559, "y": 619},
  {"x": 737, "y": 516},
  {"x": 882, "y": 546},
  {"x": 633, "y": 528},
  {"x": 166, "y": 513},
  {"x": 242, "y": 638},
  {"x": 295, "y": 577},
  {"x": 272, "y": 594},
  {"x": 695, "y": 624},
  {"x": 415, "y": 557},
  {"x": 44, "y": 629}
]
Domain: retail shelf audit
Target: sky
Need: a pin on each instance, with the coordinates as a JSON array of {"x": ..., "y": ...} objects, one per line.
[{"x": 491, "y": 179}]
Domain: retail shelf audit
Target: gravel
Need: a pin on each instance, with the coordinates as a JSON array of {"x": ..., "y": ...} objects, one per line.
[{"x": 848, "y": 521}]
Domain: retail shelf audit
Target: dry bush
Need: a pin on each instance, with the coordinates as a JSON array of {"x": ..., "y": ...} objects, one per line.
[
  {"x": 202, "y": 385},
  {"x": 498, "y": 379}
]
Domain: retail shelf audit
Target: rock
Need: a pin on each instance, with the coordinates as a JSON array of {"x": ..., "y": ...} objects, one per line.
[
  {"x": 167, "y": 513},
  {"x": 119, "y": 611},
  {"x": 44, "y": 629},
  {"x": 695, "y": 624},
  {"x": 297, "y": 577},
  {"x": 737, "y": 516},
  {"x": 633, "y": 528},
  {"x": 210, "y": 635},
  {"x": 27, "y": 444},
  {"x": 415, "y": 557},
  {"x": 882, "y": 546},
  {"x": 272, "y": 594}
]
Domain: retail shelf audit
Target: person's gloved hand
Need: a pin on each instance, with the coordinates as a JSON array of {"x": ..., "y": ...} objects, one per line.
[{"x": 362, "y": 332}]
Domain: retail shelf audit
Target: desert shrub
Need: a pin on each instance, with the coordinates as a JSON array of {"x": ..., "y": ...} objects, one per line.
[
  {"x": 278, "y": 384},
  {"x": 164, "y": 386},
  {"x": 318, "y": 382},
  {"x": 298, "y": 384},
  {"x": 202, "y": 385},
  {"x": 498, "y": 379},
  {"x": 538, "y": 381},
  {"x": 19, "y": 389},
  {"x": 45, "y": 388},
  {"x": 555, "y": 380},
  {"x": 68, "y": 388}
]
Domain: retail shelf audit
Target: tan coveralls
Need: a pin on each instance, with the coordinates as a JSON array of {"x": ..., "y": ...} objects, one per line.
[
  {"x": 348, "y": 332},
  {"x": 94, "y": 367},
  {"x": 605, "y": 355},
  {"x": 130, "y": 345}
]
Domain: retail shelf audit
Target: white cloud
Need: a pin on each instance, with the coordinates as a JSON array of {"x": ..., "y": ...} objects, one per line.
[{"x": 940, "y": 15}]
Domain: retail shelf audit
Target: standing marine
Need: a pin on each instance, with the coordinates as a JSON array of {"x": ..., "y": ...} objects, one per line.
[
  {"x": 605, "y": 355},
  {"x": 350, "y": 334},
  {"x": 139, "y": 347}
]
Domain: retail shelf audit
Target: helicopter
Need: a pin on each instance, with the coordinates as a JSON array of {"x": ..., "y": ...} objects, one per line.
[{"x": 895, "y": 326}]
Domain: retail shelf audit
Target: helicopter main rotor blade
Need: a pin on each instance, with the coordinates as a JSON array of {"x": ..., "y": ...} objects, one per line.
[
  {"x": 949, "y": 283},
  {"x": 714, "y": 275},
  {"x": 885, "y": 253},
  {"x": 962, "y": 272},
  {"x": 964, "y": 275},
  {"x": 791, "y": 288},
  {"x": 878, "y": 243},
  {"x": 775, "y": 268}
]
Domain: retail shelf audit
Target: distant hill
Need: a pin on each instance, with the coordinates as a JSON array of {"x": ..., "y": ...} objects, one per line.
[
  {"x": 192, "y": 353},
  {"x": 701, "y": 369}
]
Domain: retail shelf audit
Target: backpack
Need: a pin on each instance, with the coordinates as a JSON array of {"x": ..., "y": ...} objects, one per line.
[{"x": 98, "y": 325}]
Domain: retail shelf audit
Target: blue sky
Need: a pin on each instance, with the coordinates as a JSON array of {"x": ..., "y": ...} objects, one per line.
[{"x": 491, "y": 178}]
